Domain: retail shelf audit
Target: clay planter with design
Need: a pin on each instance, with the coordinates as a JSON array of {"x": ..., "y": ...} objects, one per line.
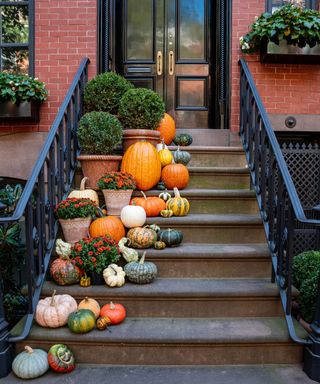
[
  {"x": 116, "y": 200},
  {"x": 94, "y": 166},
  {"x": 131, "y": 136},
  {"x": 75, "y": 229}
]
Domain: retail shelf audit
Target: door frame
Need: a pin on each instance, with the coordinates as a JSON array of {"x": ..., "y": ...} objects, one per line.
[{"x": 220, "y": 58}]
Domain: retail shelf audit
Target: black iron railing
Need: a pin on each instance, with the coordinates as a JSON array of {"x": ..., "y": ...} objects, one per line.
[
  {"x": 279, "y": 204},
  {"x": 48, "y": 184}
]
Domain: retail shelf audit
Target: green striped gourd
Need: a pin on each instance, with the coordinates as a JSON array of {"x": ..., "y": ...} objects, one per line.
[
  {"x": 81, "y": 321},
  {"x": 178, "y": 205}
]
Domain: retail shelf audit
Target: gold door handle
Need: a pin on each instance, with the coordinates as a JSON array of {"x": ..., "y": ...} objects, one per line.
[
  {"x": 171, "y": 63},
  {"x": 159, "y": 63}
]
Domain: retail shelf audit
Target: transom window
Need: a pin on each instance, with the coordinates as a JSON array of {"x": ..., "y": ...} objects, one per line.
[
  {"x": 272, "y": 5},
  {"x": 16, "y": 36}
]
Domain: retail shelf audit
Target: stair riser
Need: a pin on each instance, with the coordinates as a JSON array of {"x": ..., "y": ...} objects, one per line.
[
  {"x": 222, "y": 205},
  {"x": 210, "y": 159},
  {"x": 175, "y": 354},
  {"x": 218, "y": 180},
  {"x": 237, "y": 234}
]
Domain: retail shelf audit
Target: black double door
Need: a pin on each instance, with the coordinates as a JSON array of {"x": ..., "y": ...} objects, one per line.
[{"x": 165, "y": 45}]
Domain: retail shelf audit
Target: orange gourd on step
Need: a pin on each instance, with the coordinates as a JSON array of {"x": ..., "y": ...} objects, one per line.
[
  {"x": 142, "y": 161},
  {"x": 175, "y": 175},
  {"x": 167, "y": 128},
  {"x": 152, "y": 204},
  {"x": 107, "y": 225}
]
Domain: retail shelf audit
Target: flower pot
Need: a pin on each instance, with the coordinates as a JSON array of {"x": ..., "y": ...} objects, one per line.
[
  {"x": 26, "y": 110},
  {"x": 75, "y": 229},
  {"x": 96, "y": 278},
  {"x": 94, "y": 166},
  {"x": 116, "y": 200},
  {"x": 131, "y": 136}
]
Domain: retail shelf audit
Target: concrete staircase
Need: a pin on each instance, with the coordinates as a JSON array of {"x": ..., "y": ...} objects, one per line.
[{"x": 213, "y": 303}]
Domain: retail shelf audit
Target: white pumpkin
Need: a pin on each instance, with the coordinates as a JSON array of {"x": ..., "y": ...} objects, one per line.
[
  {"x": 133, "y": 216},
  {"x": 114, "y": 276},
  {"x": 83, "y": 192},
  {"x": 30, "y": 363},
  {"x": 54, "y": 311},
  {"x": 129, "y": 254}
]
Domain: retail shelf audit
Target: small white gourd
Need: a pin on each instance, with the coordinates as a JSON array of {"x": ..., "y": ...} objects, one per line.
[{"x": 114, "y": 276}]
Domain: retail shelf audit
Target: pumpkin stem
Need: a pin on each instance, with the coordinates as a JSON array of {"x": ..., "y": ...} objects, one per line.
[
  {"x": 178, "y": 149},
  {"x": 112, "y": 306},
  {"x": 162, "y": 142},
  {"x": 53, "y": 303},
  {"x": 144, "y": 195},
  {"x": 28, "y": 349},
  {"x": 100, "y": 213},
  {"x": 116, "y": 273},
  {"x": 142, "y": 258},
  {"x": 176, "y": 192},
  {"x": 83, "y": 184}
]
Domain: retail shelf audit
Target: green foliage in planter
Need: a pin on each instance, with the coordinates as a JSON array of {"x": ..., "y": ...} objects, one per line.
[
  {"x": 18, "y": 88},
  {"x": 9, "y": 196},
  {"x": 305, "y": 265},
  {"x": 15, "y": 306},
  {"x": 308, "y": 296},
  {"x": 103, "y": 93},
  {"x": 296, "y": 25},
  {"x": 99, "y": 133},
  {"x": 141, "y": 108}
]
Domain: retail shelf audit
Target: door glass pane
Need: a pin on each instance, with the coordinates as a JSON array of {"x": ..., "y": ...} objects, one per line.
[
  {"x": 15, "y": 24},
  {"x": 139, "y": 31},
  {"x": 191, "y": 29},
  {"x": 15, "y": 59}
]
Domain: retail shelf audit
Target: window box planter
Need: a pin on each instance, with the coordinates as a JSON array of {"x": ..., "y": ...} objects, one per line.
[
  {"x": 289, "y": 54},
  {"x": 26, "y": 110}
]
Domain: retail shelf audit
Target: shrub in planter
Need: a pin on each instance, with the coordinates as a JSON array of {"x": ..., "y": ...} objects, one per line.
[
  {"x": 103, "y": 92},
  {"x": 141, "y": 108},
  {"x": 308, "y": 296}
]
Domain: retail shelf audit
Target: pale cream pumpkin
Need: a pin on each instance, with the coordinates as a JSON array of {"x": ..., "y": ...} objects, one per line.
[
  {"x": 114, "y": 276},
  {"x": 53, "y": 312},
  {"x": 92, "y": 304},
  {"x": 83, "y": 192},
  {"x": 133, "y": 216}
]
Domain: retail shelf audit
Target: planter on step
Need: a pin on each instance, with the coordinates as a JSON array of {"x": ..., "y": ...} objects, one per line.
[
  {"x": 131, "y": 136},
  {"x": 75, "y": 229},
  {"x": 26, "y": 110},
  {"x": 116, "y": 200},
  {"x": 96, "y": 278}
]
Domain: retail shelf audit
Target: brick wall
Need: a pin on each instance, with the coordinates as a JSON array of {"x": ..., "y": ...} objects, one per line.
[
  {"x": 65, "y": 32},
  {"x": 284, "y": 88}
]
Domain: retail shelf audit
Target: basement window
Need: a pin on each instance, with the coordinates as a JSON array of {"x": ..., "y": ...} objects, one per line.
[
  {"x": 272, "y": 5},
  {"x": 16, "y": 36}
]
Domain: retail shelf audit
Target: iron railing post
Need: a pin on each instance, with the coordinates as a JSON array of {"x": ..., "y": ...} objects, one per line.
[{"x": 6, "y": 350}]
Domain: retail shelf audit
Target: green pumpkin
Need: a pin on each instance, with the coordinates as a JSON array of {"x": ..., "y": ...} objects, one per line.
[
  {"x": 30, "y": 363},
  {"x": 142, "y": 272},
  {"x": 81, "y": 321},
  {"x": 161, "y": 186},
  {"x": 183, "y": 139},
  {"x": 181, "y": 157},
  {"x": 171, "y": 237},
  {"x": 142, "y": 237}
]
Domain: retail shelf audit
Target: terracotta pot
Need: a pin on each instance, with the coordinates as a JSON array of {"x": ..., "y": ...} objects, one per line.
[
  {"x": 116, "y": 200},
  {"x": 94, "y": 166},
  {"x": 75, "y": 229},
  {"x": 131, "y": 136}
]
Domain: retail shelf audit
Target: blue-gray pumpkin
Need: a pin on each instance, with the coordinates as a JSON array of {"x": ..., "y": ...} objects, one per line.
[
  {"x": 181, "y": 157},
  {"x": 30, "y": 363},
  {"x": 172, "y": 237},
  {"x": 141, "y": 272}
]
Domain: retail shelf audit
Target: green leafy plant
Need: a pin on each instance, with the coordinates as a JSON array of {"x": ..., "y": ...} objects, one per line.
[
  {"x": 99, "y": 133},
  {"x": 103, "y": 92},
  {"x": 72, "y": 208},
  {"x": 18, "y": 88},
  {"x": 307, "y": 297},
  {"x": 9, "y": 196},
  {"x": 95, "y": 254},
  {"x": 117, "y": 180},
  {"x": 141, "y": 108},
  {"x": 290, "y": 22}
]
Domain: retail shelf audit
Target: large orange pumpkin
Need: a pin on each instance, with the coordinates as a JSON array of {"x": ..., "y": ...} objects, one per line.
[
  {"x": 175, "y": 175},
  {"x": 167, "y": 128},
  {"x": 152, "y": 204},
  {"x": 107, "y": 225},
  {"x": 142, "y": 161}
]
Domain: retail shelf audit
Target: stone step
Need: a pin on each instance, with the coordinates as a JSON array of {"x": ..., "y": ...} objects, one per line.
[
  {"x": 209, "y": 228},
  {"x": 219, "y": 177},
  {"x": 183, "y": 297},
  {"x": 214, "y": 200},
  {"x": 211, "y": 156},
  {"x": 176, "y": 341},
  {"x": 212, "y": 137}
]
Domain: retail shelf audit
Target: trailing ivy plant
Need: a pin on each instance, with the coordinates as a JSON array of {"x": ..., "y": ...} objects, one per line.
[{"x": 292, "y": 23}]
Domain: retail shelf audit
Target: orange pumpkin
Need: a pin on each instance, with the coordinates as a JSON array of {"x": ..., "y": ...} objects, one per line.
[
  {"x": 175, "y": 175},
  {"x": 167, "y": 128},
  {"x": 142, "y": 161},
  {"x": 107, "y": 225},
  {"x": 152, "y": 205}
]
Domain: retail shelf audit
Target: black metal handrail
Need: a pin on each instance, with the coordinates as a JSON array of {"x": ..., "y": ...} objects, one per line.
[
  {"x": 278, "y": 201},
  {"x": 49, "y": 183}
]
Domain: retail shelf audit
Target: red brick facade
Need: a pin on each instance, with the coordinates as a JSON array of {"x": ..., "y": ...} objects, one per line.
[{"x": 66, "y": 31}]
